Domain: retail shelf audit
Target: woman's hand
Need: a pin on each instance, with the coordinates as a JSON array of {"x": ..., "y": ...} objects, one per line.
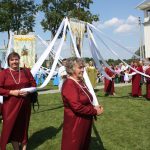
[
  {"x": 14, "y": 92},
  {"x": 99, "y": 109},
  {"x": 18, "y": 93},
  {"x": 23, "y": 93}
]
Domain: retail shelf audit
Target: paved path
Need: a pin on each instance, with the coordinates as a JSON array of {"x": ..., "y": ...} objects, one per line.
[{"x": 97, "y": 87}]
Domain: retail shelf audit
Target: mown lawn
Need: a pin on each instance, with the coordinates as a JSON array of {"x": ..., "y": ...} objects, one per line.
[{"x": 125, "y": 124}]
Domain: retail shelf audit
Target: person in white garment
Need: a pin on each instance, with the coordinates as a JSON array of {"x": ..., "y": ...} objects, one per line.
[{"x": 62, "y": 74}]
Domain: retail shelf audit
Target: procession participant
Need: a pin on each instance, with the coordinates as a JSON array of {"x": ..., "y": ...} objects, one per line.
[
  {"x": 92, "y": 73},
  {"x": 78, "y": 108},
  {"x": 136, "y": 80},
  {"x": 16, "y": 108},
  {"x": 109, "y": 84}
]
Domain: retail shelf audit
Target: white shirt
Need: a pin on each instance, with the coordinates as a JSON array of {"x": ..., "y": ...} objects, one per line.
[{"x": 61, "y": 72}]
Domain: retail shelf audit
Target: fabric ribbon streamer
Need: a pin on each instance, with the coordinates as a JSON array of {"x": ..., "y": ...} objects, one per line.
[
  {"x": 40, "y": 61},
  {"x": 95, "y": 57},
  {"x": 56, "y": 58},
  {"x": 97, "y": 51},
  {"x": 143, "y": 74},
  {"x": 117, "y": 43},
  {"x": 52, "y": 52},
  {"x": 30, "y": 89}
]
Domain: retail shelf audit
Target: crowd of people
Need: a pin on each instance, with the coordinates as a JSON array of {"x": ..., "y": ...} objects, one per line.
[
  {"x": 121, "y": 73},
  {"x": 79, "y": 111}
]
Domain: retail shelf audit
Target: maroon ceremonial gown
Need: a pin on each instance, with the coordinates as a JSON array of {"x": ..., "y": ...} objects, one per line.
[
  {"x": 78, "y": 116},
  {"x": 15, "y": 110},
  {"x": 148, "y": 84},
  {"x": 109, "y": 84},
  {"x": 136, "y": 80}
]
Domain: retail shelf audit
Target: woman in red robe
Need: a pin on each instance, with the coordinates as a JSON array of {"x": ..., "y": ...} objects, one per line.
[
  {"x": 78, "y": 108},
  {"x": 136, "y": 80},
  {"x": 109, "y": 84},
  {"x": 16, "y": 108},
  {"x": 148, "y": 83}
]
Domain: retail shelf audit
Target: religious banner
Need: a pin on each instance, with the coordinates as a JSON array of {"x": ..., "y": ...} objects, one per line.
[{"x": 24, "y": 45}]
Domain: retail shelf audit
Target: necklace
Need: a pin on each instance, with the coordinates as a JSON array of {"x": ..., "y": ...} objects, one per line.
[
  {"x": 14, "y": 77},
  {"x": 77, "y": 81},
  {"x": 82, "y": 88}
]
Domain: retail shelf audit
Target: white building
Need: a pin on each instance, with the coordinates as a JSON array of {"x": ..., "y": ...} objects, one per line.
[{"x": 145, "y": 6}]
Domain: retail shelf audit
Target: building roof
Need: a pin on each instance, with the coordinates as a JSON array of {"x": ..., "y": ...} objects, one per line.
[{"x": 144, "y": 5}]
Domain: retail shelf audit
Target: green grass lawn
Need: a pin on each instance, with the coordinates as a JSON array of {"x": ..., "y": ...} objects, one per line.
[{"x": 124, "y": 125}]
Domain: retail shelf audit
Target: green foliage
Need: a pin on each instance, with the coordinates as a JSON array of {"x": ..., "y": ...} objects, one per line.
[
  {"x": 17, "y": 15},
  {"x": 56, "y": 10}
]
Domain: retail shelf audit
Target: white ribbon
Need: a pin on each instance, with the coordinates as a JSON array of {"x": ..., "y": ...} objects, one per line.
[
  {"x": 117, "y": 43},
  {"x": 95, "y": 46},
  {"x": 94, "y": 56},
  {"x": 52, "y": 52},
  {"x": 87, "y": 81},
  {"x": 143, "y": 74},
  {"x": 40, "y": 61},
  {"x": 98, "y": 52},
  {"x": 30, "y": 89},
  {"x": 56, "y": 58}
]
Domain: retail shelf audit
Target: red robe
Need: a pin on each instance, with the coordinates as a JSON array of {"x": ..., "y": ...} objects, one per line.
[
  {"x": 109, "y": 84},
  {"x": 78, "y": 116},
  {"x": 15, "y": 110},
  {"x": 136, "y": 79},
  {"x": 148, "y": 84}
]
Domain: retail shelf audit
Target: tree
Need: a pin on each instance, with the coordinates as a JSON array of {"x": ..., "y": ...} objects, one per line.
[
  {"x": 17, "y": 15},
  {"x": 56, "y": 10}
]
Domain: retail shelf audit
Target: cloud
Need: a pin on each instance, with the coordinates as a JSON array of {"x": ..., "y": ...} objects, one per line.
[
  {"x": 124, "y": 28},
  {"x": 119, "y": 25},
  {"x": 113, "y": 22},
  {"x": 129, "y": 25},
  {"x": 132, "y": 20}
]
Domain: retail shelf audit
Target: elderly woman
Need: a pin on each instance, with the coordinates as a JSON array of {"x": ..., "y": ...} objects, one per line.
[
  {"x": 16, "y": 107},
  {"x": 78, "y": 108}
]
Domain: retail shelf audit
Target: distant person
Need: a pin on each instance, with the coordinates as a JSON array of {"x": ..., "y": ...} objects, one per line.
[
  {"x": 62, "y": 74},
  {"x": 136, "y": 80},
  {"x": 126, "y": 76},
  {"x": 16, "y": 108},
  {"x": 92, "y": 73},
  {"x": 109, "y": 84},
  {"x": 117, "y": 77},
  {"x": 78, "y": 108},
  {"x": 122, "y": 69},
  {"x": 148, "y": 83}
]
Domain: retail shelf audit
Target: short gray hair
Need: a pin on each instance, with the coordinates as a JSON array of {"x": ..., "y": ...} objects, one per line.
[{"x": 71, "y": 63}]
